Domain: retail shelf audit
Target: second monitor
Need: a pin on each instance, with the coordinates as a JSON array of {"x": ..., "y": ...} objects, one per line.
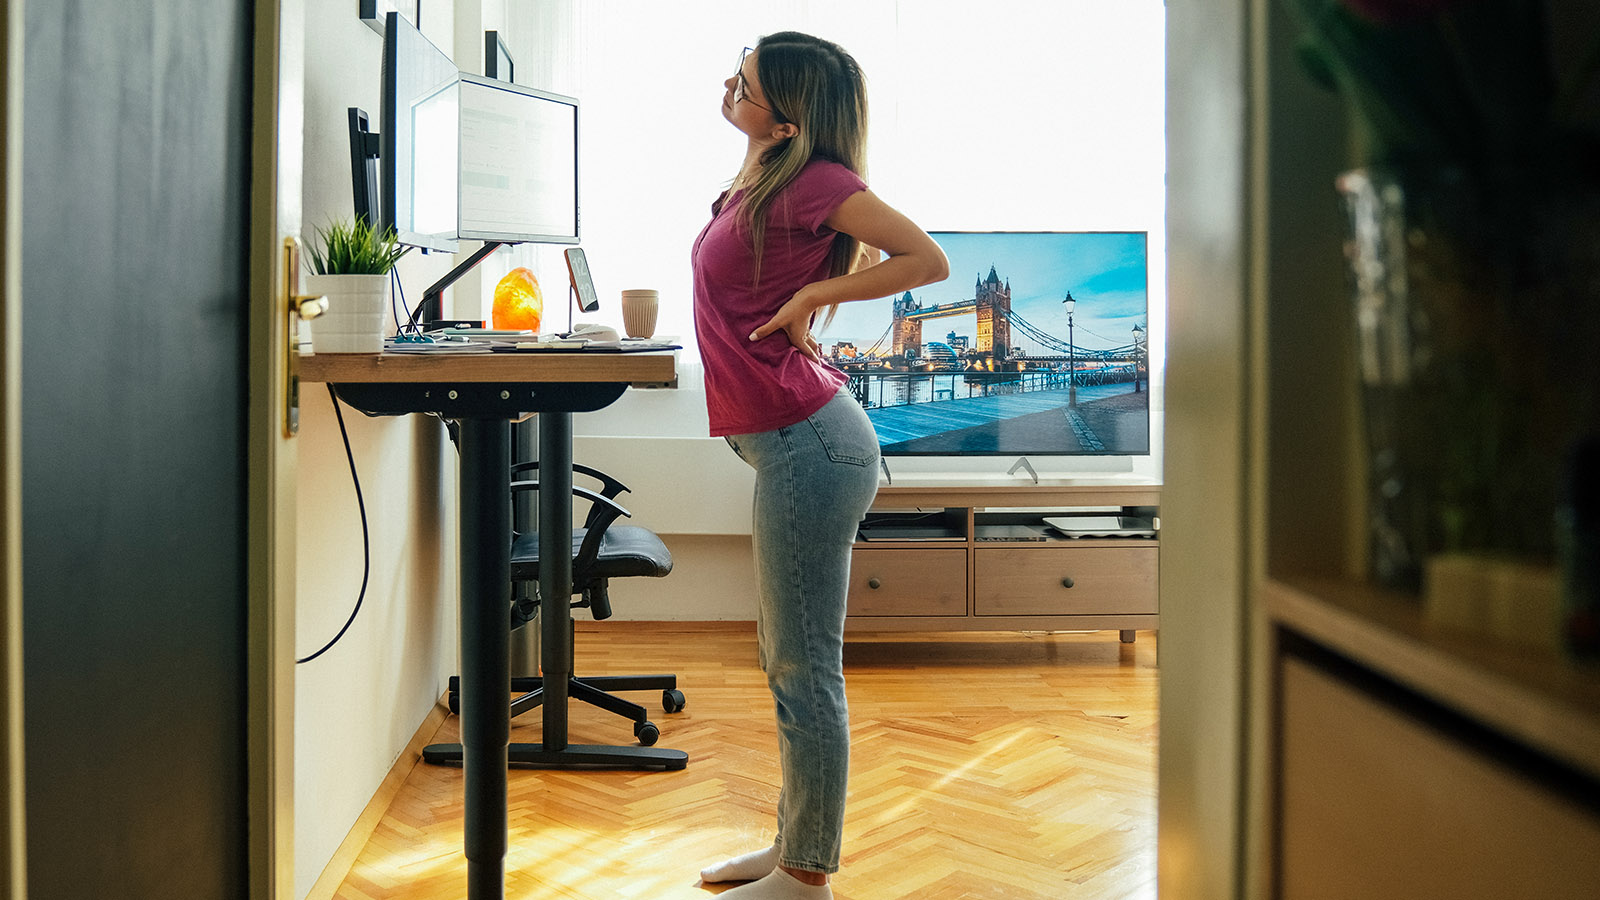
[
  {"x": 518, "y": 163},
  {"x": 466, "y": 157}
]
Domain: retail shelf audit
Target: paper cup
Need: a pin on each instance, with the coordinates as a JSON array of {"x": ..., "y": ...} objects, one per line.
[{"x": 639, "y": 312}]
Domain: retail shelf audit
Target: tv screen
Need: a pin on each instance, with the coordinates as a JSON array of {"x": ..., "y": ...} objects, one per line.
[
  {"x": 995, "y": 361},
  {"x": 519, "y": 163},
  {"x": 420, "y": 133}
]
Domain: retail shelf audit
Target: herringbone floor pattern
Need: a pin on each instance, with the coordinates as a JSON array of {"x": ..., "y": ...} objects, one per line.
[{"x": 1014, "y": 766}]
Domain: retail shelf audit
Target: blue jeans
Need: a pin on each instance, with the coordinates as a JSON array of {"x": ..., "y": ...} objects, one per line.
[{"x": 814, "y": 482}]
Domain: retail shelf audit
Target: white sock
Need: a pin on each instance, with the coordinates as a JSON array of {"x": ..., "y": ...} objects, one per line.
[
  {"x": 748, "y": 867},
  {"x": 780, "y": 885}
]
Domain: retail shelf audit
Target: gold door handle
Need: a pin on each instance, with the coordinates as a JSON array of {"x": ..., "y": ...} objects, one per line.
[{"x": 308, "y": 307}]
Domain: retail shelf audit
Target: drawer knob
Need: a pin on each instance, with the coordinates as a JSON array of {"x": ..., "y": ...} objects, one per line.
[
  {"x": 1066, "y": 581},
  {"x": 874, "y": 583}
]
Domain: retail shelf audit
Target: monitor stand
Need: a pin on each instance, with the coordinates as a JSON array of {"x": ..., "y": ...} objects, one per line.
[
  {"x": 427, "y": 314},
  {"x": 1022, "y": 463}
]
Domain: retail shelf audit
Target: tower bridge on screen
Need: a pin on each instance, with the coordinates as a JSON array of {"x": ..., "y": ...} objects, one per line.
[
  {"x": 1009, "y": 383},
  {"x": 993, "y": 348}
]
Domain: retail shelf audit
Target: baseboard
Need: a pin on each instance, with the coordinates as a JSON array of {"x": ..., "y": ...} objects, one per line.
[
  {"x": 660, "y": 626},
  {"x": 338, "y": 868}
]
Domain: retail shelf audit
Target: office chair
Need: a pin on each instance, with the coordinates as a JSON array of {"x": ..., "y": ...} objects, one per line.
[{"x": 601, "y": 550}]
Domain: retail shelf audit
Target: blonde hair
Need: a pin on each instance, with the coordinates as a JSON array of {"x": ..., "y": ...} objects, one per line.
[{"x": 818, "y": 87}]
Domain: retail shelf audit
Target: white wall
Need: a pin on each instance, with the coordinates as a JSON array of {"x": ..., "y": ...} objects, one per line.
[{"x": 358, "y": 705}]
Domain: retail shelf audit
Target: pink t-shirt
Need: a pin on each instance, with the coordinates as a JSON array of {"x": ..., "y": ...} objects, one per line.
[{"x": 762, "y": 385}]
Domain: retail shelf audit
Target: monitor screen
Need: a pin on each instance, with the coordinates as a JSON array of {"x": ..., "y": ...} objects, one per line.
[
  {"x": 993, "y": 361},
  {"x": 519, "y": 163},
  {"x": 420, "y": 134}
]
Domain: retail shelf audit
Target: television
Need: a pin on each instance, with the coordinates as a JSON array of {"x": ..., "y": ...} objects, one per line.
[
  {"x": 995, "y": 360},
  {"x": 518, "y": 164},
  {"x": 419, "y": 131}
]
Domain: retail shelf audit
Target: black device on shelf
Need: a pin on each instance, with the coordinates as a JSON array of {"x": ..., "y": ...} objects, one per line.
[
  {"x": 497, "y": 61},
  {"x": 365, "y": 149}
]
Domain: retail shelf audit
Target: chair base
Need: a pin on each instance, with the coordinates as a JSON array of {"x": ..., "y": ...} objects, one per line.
[
  {"x": 528, "y": 693},
  {"x": 575, "y": 756}
]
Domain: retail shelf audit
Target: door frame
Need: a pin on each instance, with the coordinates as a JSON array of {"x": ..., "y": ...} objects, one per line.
[
  {"x": 277, "y": 101},
  {"x": 13, "y": 832}
]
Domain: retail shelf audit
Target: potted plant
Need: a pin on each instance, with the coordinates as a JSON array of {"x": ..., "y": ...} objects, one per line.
[{"x": 350, "y": 262}]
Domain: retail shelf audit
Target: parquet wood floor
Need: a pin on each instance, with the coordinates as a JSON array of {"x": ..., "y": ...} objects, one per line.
[{"x": 999, "y": 766}]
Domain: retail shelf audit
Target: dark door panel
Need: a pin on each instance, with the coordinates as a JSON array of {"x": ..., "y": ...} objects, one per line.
[{"x": 136, "y": 137}]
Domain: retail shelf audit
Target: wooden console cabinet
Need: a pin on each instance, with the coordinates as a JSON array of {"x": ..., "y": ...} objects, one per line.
[{"x": 968, "y": 582}]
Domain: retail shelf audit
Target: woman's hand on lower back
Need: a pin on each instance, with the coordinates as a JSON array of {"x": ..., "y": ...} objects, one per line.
[{"x": 794, "y": 320}]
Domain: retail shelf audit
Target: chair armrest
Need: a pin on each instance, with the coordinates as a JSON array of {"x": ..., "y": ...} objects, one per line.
[
  {"x": 602, "y": 512},
  {"x": 609, "y": 487},
  {"x": 595, "y": 499}
]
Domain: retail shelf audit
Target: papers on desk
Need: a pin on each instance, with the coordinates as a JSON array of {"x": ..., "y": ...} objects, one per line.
[
  {"x": 493, "y": 334},
  {"x": 451, "y": 343},
  {"x": 579, "y": 345},
  {"x": 408, "y": 344}
]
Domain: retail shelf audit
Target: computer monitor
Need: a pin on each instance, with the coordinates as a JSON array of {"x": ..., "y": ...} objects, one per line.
[
  {"x": 518, "y": 164},
  {"x": 420, "y": 120}
]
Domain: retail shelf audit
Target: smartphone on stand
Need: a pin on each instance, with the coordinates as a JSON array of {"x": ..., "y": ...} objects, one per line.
[{"x": 582, "y": 284}]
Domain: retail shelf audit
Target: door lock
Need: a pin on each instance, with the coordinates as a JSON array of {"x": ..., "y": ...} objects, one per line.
[{"x": 299, "y": 310}]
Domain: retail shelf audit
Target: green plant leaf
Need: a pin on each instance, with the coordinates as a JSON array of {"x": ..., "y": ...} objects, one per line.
[{"x": 353, "y": 247}]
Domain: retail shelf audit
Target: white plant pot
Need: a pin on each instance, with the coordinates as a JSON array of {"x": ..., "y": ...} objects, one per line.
[{"x": 354, "y": 322}]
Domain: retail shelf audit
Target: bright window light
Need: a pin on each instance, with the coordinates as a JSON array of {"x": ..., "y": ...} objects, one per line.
[{"x": 1006, "y": 115}]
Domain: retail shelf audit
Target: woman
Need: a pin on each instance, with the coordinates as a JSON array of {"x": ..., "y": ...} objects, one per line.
[{"x": 785, "y": 242}]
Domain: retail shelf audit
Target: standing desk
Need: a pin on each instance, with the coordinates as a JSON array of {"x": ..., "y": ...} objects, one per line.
[{"x": 485, "y": 392}]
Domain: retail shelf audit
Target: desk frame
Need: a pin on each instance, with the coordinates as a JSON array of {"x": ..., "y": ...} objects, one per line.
[{"x": 485, "y": 392}]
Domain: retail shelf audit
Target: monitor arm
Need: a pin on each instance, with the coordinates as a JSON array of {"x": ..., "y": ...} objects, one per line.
[{"x": 431, "y": 307}]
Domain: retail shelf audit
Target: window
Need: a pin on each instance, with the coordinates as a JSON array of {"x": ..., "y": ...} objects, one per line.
[{"x": 1001, "y": 115}]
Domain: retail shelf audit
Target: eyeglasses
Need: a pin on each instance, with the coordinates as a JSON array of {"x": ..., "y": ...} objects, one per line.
[{"x": 741, "y": 88}]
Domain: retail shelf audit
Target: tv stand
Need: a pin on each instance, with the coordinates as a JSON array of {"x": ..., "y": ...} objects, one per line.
[
  {"x": 949, "y": 556},
  {"x": 1022, "y": 463}
]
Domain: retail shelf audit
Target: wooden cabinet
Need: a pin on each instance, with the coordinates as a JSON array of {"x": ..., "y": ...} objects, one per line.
[
  {"x": 1104, "y": 578},
  {"x": 1365, "y": 772},
  {"x": 908, "y": 583},
  {"x": 968, "y": 576},
  {"x": 1412, "y": 761}
]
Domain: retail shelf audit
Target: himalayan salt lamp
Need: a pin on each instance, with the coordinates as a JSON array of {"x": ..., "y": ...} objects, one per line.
[{"x": 518, "y": 301}]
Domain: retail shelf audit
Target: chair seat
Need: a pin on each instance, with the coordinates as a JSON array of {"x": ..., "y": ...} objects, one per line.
[{"x": 625, "y": 550}]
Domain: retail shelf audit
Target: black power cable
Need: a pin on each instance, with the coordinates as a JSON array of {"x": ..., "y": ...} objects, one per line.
[{"x": 366, "y": 547}]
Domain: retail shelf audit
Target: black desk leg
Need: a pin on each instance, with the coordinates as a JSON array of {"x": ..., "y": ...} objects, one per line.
[
  {"x": 555, "y": 572},
  {"x": 485, "y": 649},
  {"x": 555, "y": 621}
]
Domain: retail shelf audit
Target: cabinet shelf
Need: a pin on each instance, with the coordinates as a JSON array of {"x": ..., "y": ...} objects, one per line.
[
  {"x": 977, "y": 577},
  {"x": 1535, "y": 696}
]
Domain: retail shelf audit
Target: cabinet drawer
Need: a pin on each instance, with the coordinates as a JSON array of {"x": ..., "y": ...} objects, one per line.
[
  {"x": 1032, "y": 581},
  {"x": 1378, "y": 803},
  {"x": 909, "y": 583}
]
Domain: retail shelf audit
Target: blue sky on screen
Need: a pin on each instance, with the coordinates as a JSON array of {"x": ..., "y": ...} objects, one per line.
[{"x": 1105, "y": 271}]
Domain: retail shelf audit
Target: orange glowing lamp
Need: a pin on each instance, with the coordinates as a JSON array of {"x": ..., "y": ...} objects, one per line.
[{"x": 518, "y": 301}]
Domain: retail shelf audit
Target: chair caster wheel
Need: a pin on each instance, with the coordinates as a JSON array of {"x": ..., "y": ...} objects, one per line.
[
  {"x": 672, "y": 700},
  {"x": 647, "y": 733}
]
